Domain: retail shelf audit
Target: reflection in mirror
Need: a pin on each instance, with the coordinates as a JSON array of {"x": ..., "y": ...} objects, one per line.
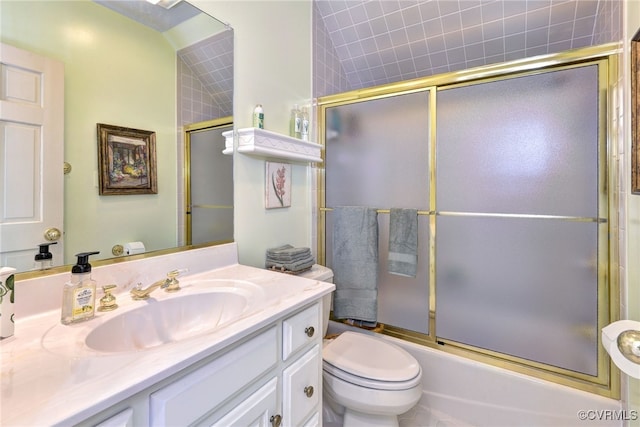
[
  {"x": 137, "y": 67},
  {"x": 208, "y": 187}
]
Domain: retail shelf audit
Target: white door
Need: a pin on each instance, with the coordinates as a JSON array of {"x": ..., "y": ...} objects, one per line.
[{"x": 31, "y": 155}]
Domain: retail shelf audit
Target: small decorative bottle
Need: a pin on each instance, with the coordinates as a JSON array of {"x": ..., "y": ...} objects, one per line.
[
  {"x": 295, "y": 125},
  {"x": 79, "y": 293},
  {"x": 304, "y": 130},
  {"x": 258, "y": 117}
]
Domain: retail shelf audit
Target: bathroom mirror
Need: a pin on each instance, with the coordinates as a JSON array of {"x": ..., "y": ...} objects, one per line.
[{"x": 131, "y": 64}]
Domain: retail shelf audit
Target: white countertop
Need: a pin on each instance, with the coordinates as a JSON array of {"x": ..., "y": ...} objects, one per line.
[{"x": 61, "y": 381}]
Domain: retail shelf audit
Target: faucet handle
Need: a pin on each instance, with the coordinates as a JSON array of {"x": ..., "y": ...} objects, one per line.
[
  {"x": 172, "y": 282},
  {"x": 175, "y": 273},
  {"x": 108, "y": 301}
]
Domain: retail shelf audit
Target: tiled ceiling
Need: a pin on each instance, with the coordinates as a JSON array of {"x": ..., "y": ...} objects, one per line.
[{"x": 384, "y": 41}]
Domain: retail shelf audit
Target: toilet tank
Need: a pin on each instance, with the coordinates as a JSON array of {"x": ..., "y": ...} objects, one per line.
[
  {"x": 323, "y": 274},
  {"x": 318, "y": 272}
]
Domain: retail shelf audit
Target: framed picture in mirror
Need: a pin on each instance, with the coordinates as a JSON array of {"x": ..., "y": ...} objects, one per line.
[
  {"x": 635, "y": 114},
  {"x": 126, "y": 160}
]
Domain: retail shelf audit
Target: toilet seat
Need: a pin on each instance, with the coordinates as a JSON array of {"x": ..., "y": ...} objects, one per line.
[
  {"x": 370, "y": 362},
  {"x": 369, "y": 383}
]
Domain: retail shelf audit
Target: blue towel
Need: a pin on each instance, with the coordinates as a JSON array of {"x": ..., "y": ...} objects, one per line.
[
  {"x": 403, "y": 242},
  {"x": 355, "y": 263}
]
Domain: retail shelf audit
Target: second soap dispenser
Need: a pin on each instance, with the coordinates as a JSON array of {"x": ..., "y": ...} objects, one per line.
[
  {"x": 44, "y": 258},
  {"x": 79, "y": 294}
]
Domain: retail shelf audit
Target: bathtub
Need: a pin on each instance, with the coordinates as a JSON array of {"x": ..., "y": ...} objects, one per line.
[{"x": 462, "y": 392}]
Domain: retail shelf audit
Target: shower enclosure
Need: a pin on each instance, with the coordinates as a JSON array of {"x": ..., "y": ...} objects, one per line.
[{"x": 510, "y": 171}]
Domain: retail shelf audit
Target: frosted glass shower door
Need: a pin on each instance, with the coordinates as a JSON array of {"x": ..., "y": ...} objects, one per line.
[
  {"x": 211, "y": 187},
  {"x": 517, "y": 181},
  {"x": 377, "y": 155}
]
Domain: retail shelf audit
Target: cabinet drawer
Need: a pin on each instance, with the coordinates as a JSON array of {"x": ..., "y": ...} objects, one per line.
[
  {"x": 194, "y": 395},
  {"x": 256, "y": 410},
  {"x": 301, "y": 388},
  {"x": 300, "y": 329}
]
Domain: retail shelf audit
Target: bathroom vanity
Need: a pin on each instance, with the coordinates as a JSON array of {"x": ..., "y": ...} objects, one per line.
[{"x": 260, "y": 364}]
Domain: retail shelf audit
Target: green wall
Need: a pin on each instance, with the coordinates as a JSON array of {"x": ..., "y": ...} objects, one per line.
[{"x": 117, "y": 72}]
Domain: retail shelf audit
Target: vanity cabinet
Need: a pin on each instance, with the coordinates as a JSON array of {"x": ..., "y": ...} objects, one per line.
[{"x": 273, "y": 375}]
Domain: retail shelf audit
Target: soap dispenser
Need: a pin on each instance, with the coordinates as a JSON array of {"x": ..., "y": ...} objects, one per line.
[
  {"x": 44, "y": 258},
  {"x": 79, "y": 294}
]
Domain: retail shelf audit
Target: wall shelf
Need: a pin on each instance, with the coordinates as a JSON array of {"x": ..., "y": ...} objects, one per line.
[{"x": 264, "y": 143}]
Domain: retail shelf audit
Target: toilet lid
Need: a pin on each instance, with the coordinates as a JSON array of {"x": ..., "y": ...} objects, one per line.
[{"x": 371, "y": 358}]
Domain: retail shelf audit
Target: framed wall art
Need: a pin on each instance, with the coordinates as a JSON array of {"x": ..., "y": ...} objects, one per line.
[
  {"x": 126, "y": 160},
  {"x": 278, "y": 185},
  {"x": 635, "y": 114}
]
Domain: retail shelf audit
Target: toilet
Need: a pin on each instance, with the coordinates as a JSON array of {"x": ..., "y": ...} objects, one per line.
[{"x": 367, "y": 381}]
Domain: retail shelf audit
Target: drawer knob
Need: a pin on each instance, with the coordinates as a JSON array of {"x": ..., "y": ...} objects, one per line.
[
  {"x": 308, "y": 390},
  {"x": 276, "y": 420},
  {"x": 309, "y": 330}
]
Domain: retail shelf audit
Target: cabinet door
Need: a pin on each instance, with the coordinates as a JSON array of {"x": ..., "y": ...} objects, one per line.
[
  {"x": 121, "y": 419},
  {"x": 300, "y": 329},
  {"x": 256, "y": 410},
  {"x": 314, "y": 421},
  {"x": 301, "y": 388}
]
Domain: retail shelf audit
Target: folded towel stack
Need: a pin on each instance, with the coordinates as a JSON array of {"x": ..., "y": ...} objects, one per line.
[{"x": 288, "y": 259}]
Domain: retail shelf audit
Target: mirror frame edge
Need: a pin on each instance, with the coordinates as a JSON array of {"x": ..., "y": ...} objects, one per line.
[{"x": 34, "y": 274}]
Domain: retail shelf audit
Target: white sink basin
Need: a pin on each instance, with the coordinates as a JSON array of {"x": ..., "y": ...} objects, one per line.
[
  {"x": 201, "y": 307},
  {"x": 159, "y": 322}
]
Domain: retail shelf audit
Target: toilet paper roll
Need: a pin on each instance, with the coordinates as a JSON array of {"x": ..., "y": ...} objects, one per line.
[
  {"x": 610, "y": 334},
  {"x": 133, "y": 248}
]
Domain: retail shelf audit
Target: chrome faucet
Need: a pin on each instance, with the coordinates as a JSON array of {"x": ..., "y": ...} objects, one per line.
[{"x": 170, "y": 284}]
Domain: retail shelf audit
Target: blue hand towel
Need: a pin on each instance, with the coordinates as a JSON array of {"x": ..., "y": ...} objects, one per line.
[
  {"x": 403, "y": 242},
  {"x": 355, "y": 263}
]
